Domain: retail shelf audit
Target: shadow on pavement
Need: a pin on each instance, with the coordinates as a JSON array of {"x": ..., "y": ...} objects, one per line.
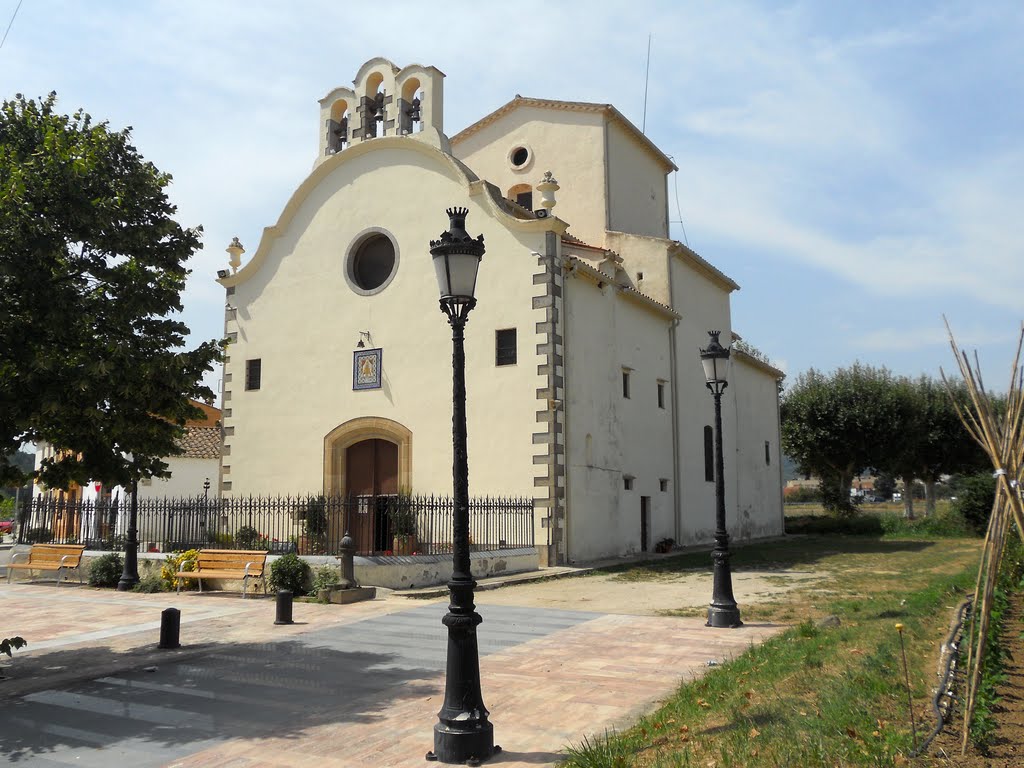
[{"x": 188, "y": 701}]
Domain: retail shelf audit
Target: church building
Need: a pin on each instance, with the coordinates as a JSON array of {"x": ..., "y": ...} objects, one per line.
[{"x": 585, "y": 389}]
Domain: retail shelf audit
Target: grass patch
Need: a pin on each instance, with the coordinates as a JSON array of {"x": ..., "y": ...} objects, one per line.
[{"x": 812, "y": 696}]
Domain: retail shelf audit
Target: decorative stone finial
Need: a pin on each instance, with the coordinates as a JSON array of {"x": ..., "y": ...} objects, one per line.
[
  {"x": 547, "y": 188},
  {"x": 235, "y": 251}
]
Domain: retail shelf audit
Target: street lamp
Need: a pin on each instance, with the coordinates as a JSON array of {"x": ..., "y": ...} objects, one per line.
[
  {"x": 130, "y": 573},
  {"x": 463, "y": 734},
  {"x": 723, "y": 611}
]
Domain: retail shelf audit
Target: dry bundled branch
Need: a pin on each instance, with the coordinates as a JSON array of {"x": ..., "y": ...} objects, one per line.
[{"x": 1000, "y": 432}]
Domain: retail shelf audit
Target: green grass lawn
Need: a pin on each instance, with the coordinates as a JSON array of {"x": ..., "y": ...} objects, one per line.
[{"x": 812, "y": 696}]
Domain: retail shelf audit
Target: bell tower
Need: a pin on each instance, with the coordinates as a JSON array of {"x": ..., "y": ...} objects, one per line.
[{"x": 385, "y": 101}]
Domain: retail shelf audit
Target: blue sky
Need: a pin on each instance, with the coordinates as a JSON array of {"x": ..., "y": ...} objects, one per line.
[{"x": 858, "y": 168}]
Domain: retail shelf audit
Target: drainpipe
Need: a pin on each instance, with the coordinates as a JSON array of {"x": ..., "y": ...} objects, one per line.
[{"x": 677, "y": 492}]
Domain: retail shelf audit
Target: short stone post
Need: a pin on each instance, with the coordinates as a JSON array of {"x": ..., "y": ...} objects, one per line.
[
  {"x": 170, "y": 629},
  {"x": 347, "y": 556},
  {"x": 284, "y": 607}
]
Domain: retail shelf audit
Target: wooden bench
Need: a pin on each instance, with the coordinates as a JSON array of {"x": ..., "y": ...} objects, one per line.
[
  {"x": 241, "y": 564},
  {"x": 49, "y": 557}
]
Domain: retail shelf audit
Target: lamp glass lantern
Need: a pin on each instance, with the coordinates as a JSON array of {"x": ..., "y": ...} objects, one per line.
[
  {"x": 457, "y": 258},
  {"x": 715, "y": 359}
]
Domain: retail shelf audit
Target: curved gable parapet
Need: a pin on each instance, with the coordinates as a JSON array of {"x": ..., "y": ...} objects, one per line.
[
  {"x": 503, "y": 209},
  {"x": 491, "y": 196}
]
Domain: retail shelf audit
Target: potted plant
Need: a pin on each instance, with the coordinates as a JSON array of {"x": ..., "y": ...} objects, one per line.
[
  {"x": 314, "y": 526},
  {"x": 402, "y": 517}
]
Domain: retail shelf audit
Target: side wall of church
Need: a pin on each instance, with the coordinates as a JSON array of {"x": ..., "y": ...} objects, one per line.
[{"x": 615, "y": 436}]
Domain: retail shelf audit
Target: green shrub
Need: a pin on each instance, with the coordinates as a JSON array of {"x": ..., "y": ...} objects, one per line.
[
  {"x": 289, "y": 572},
  {"x": 325, "y": 577},
  {"x": 175, "y": 563},
  {"x": 248, "y": 537},
  {"x": 948, "y": 524},
  {"x": 40, "y": 535},
  {"x": 106, "y": 570},
  {"x": 974, "y": 497},
  {"x": 150, "y": 583},
  {"x": 314, "y": 517}
]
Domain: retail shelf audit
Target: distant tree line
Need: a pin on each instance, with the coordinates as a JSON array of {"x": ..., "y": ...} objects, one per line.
[{"x": 861, "y": 418}]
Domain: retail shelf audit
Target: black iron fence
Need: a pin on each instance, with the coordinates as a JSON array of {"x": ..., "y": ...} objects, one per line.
[{"x": 307, "y": 525}]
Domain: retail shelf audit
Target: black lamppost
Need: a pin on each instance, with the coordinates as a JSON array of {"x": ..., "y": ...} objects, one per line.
[
  {"x": 723, "y": 611},
  {"x": 130, "y": 574},
  {"x": 463, "y": 733}
]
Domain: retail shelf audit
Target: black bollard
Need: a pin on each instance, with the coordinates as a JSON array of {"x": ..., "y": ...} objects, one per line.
[
  {"x": 170, "y": 628},
  {"x": 284, "y": 607}
]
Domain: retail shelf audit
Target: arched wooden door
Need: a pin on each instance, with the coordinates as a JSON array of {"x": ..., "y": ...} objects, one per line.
[{"x": 371, "y": 478}]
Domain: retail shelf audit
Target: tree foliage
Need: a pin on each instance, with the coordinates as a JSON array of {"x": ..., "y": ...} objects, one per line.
[
  {"x": 91, "y": 272},
  {"x": 836, "y": 426},
  {"x": 859, "y": 418}
]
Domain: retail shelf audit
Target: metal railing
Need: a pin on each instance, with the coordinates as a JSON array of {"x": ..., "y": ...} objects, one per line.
[{"x": 307, "y": 525}]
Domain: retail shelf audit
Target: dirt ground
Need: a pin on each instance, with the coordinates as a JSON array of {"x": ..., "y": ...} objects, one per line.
[
  {"x": 1007, "y": 749},
  {"x": 607, "y": 593}
]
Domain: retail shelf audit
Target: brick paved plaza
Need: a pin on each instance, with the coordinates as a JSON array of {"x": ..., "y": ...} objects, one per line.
[{"x": 356, "y": 685}]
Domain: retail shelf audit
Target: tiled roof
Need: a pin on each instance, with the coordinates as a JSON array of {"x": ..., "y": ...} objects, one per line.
[{"x": 201, "y": 443}]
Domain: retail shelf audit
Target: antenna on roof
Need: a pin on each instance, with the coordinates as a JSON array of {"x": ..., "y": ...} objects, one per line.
[{"x": 647, "y": 77}]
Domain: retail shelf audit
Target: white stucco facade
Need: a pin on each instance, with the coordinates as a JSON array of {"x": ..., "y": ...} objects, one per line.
[{"x": 598, "y": 299}]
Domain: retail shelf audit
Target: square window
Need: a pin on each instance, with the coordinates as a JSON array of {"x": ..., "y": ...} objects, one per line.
[
  {"x": 627, "y": 482},
  {"x": 525, "y": 199},
  {"x": 663, "y": 484},
  {"x": 625, "y": 384},
  {"x": 505, "y": 347},
  {"x": 253, "y": 373},
  {"x": 661, "y": 394}
]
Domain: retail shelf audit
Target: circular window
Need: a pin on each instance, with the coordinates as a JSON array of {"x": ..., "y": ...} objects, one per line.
[
  {"x": 372, "y": 261},
  {"x": 520, "y": 157}
]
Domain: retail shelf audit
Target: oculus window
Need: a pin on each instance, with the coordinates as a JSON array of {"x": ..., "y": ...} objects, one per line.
[{"x": 371, "y": 262}]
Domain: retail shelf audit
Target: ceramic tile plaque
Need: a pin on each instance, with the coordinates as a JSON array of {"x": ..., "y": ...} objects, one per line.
[{"x": 366, "y": 368}]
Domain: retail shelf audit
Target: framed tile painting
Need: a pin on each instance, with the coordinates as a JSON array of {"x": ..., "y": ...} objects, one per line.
[{"x": 366, "y": 368}]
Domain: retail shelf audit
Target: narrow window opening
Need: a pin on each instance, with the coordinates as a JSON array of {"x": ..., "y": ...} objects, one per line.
[
  {"x": 627, "y": 482},
  {"x": 709, "y": 454},
  {"x": 505, "y": 347},
  {"x": 663, "y": 485},
  {"x": 253, "y": 373},
  {"x": 767, "y": 454},
  {"x": 661, "y": 394},
  {"x": 625, "y": 384}
]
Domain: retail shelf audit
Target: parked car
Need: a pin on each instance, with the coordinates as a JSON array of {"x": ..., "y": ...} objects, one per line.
[{"x": 6, "y": 526}]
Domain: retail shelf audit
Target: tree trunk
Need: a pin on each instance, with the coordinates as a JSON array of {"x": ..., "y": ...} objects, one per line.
[
  {"x": 908, "y": 498},
  {"x": 929, "y": 497}
]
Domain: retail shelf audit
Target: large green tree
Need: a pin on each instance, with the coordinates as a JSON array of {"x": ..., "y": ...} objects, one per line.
[
  {"x": 92, "y": 266},
  {"x": 837, "y": 425},
  {"x": 934, "y": 442}
]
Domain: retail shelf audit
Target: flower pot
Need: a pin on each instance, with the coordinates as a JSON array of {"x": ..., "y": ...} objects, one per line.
[{"x": 404, "y": 544}]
